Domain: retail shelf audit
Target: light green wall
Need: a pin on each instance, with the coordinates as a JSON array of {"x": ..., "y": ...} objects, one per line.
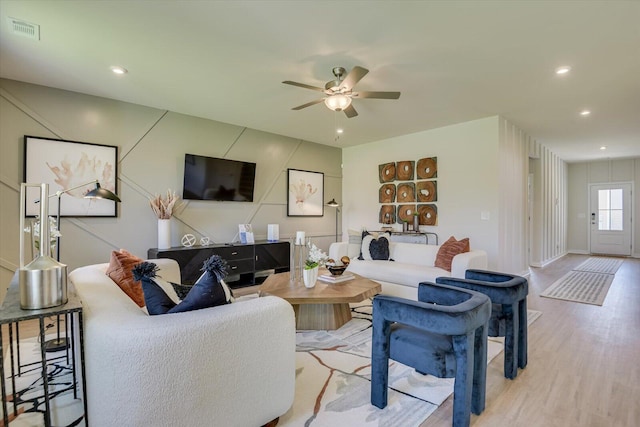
[{"x": 152, "y": 144}]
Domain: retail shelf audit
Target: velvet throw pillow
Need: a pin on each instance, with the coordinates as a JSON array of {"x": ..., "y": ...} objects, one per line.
[
  {"x": 208, "y": 291},
  {"x": 375, "y": 248},
  {"x": 119, "y": 270},
  {"x": 450, "y": 249}
]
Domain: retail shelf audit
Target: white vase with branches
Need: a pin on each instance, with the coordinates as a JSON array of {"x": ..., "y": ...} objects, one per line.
[{"x": 163, "y": 207}]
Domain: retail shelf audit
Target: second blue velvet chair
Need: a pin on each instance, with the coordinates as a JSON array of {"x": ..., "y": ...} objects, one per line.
[
  {"x": 508, "y": 294},
  {"x": 444, "y": 334}
]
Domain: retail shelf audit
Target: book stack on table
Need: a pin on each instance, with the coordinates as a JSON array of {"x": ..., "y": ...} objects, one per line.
[{"x": 330, "y": 278}]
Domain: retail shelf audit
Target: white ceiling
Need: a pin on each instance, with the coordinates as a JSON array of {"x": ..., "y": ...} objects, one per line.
[{"x": 453, "y": 61}]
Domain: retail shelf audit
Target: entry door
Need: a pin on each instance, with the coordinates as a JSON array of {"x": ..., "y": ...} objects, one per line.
[{"x": 610, "y": 219}]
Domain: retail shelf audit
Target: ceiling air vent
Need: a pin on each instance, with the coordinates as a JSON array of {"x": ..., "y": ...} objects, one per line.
[{"x": 25, "y": 29}]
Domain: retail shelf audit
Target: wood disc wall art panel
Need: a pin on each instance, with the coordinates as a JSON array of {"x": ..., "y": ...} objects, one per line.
[
  {"x": 427, "y": 168},
  {"x": 405, "y": 213},
  {"x": 387, "y": 214},
  {"x": 387, "y": 193},
  {"x": 387, "y": 172},
  {"x": 406, "y": 192},
  {"x": 404, "y": 170},
  {"x": 428, "y": 214},
  {"x": 427, "y": 191}
]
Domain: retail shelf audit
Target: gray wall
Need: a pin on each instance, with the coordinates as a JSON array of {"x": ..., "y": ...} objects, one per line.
[
  {"x": 581, "y": 175},
  {"x": 151, "y": 145}
]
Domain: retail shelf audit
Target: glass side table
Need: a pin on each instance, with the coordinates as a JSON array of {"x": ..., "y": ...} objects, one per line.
[{"x": 11, "y": 315}]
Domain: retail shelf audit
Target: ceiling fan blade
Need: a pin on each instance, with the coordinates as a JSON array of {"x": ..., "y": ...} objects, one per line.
[
  {"x": 350, "y": 111},
  {"x": 379, "y": 95},
  {"x": 353, "y": 77},
  {"x": 308, "y": 104},
  {"x": 289, "y": 82}
]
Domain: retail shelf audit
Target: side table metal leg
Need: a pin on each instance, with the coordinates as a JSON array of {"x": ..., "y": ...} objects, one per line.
[
  {"x": 5, "y": 414},
  {"x": 73, "y": 356},
  {"x": 13, "y": 376},
  {"x": 82, "y": 369},
  {"x": 45, "y": 379}
]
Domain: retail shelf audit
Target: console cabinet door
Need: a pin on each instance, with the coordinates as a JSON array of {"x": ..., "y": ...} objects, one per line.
[{"x": 273, "y": 256}]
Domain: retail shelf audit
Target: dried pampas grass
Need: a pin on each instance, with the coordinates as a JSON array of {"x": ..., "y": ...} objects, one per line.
[{"x": 163, "y": 207}]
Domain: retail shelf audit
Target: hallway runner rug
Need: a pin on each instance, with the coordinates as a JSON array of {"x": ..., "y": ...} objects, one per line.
[
  {"x": 580, "y": 286},
  {"x": 333, "y": 380},
  {"x": 600, "y": 265}
]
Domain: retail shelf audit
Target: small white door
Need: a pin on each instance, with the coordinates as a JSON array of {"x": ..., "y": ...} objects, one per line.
[{"x": 610, "y": 219}]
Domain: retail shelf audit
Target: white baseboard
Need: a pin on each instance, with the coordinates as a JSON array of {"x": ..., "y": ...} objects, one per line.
[{"x": 578, "y": 252}]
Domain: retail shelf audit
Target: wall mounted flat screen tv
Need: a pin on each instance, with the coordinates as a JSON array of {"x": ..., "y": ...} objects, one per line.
[{"x": 210, "y": 178}]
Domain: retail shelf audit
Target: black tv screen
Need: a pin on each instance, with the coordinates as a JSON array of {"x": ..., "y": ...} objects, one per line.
[{"x": 211, "y": 178}]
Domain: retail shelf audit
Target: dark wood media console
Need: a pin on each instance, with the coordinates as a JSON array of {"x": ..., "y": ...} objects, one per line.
[{"x": 249, "y": 264}]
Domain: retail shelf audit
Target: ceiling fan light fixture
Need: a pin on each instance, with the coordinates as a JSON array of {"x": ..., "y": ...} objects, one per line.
[{"x": 337, "y": 102}]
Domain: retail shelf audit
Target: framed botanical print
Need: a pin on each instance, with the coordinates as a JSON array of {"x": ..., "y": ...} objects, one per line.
[{"x": 305, "y": 193}]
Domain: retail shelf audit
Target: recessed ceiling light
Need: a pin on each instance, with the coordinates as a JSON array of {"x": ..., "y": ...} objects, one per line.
[
  {"x": 585, "y": 112},
  {"x": 119, "y": 70},
  {"x": 604, "y": 147},
  {"x": 563, "y": 70},
  {"x": 339, "y": 130}
]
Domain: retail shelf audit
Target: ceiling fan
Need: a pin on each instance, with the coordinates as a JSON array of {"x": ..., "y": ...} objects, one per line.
[{"x": 340, "y": 91}]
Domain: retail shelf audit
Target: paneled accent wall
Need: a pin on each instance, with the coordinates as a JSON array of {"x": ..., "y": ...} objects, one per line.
[
  {"x": 549, "y": 216},
  {"x": 152, "y": 144},
  {"x": 513, "y": 212}
]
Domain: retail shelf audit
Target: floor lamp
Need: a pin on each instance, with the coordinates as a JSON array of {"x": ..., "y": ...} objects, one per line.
[
  {"x": 336, "y": 205},
  {"x": 60, "y": 343}
]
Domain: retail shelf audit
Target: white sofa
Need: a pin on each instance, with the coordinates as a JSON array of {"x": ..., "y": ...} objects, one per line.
[
  {"x": 412, "y": 263},
  {"x": 232, "y": 365}
]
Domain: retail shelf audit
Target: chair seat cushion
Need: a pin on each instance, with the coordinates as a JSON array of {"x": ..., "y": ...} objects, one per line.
[{"x": 427, "y": 352}]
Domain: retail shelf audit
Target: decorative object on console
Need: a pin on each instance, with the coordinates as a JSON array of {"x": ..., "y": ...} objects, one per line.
[
  {"x": 188, "y": 240},
  {"x": 163, "y": 208},
  {"x": 273, "y": 232},
  {"x": 204, "y": 241},
  {"x": 416, "y": 221},
  {"x": 245, "y": 233},
  {"x": 450, "y": 249},
  {"x": 305, "y": 195}
]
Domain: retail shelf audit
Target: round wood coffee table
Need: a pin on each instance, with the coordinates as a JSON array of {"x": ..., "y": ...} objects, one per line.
[{"x": 325, "y": 306}]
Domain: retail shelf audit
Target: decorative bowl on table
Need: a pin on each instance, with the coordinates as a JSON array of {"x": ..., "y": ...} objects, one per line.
[{"x": 336, "y": 270}]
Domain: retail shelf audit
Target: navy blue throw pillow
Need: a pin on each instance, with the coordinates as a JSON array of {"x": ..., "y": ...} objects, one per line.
[
  {"x": 208, "y": 291},
  {"x": 379, "y": 248}
]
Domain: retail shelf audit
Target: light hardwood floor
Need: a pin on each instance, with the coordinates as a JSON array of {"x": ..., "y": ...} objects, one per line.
[{"x": 584, "y": 361}]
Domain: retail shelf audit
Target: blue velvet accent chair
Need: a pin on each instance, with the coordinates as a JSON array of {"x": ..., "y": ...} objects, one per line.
[
  {"x": 508, "y": 294},
  {"x": 444, "y": 334}
]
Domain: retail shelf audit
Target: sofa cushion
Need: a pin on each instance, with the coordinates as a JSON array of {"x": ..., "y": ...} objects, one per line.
[
  {"x": 119, "y": 270},
  {"x": 450, "y": 249},
  {"x": 396, "y": 272}
]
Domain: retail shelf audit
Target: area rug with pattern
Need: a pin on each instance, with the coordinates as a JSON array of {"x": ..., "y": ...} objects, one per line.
[
  {"x": 605, "y": 265},
  {"x": 580, "y": 286},
  {"x": 333, "y": 380},
  {"x": 65, "y": 407}
]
